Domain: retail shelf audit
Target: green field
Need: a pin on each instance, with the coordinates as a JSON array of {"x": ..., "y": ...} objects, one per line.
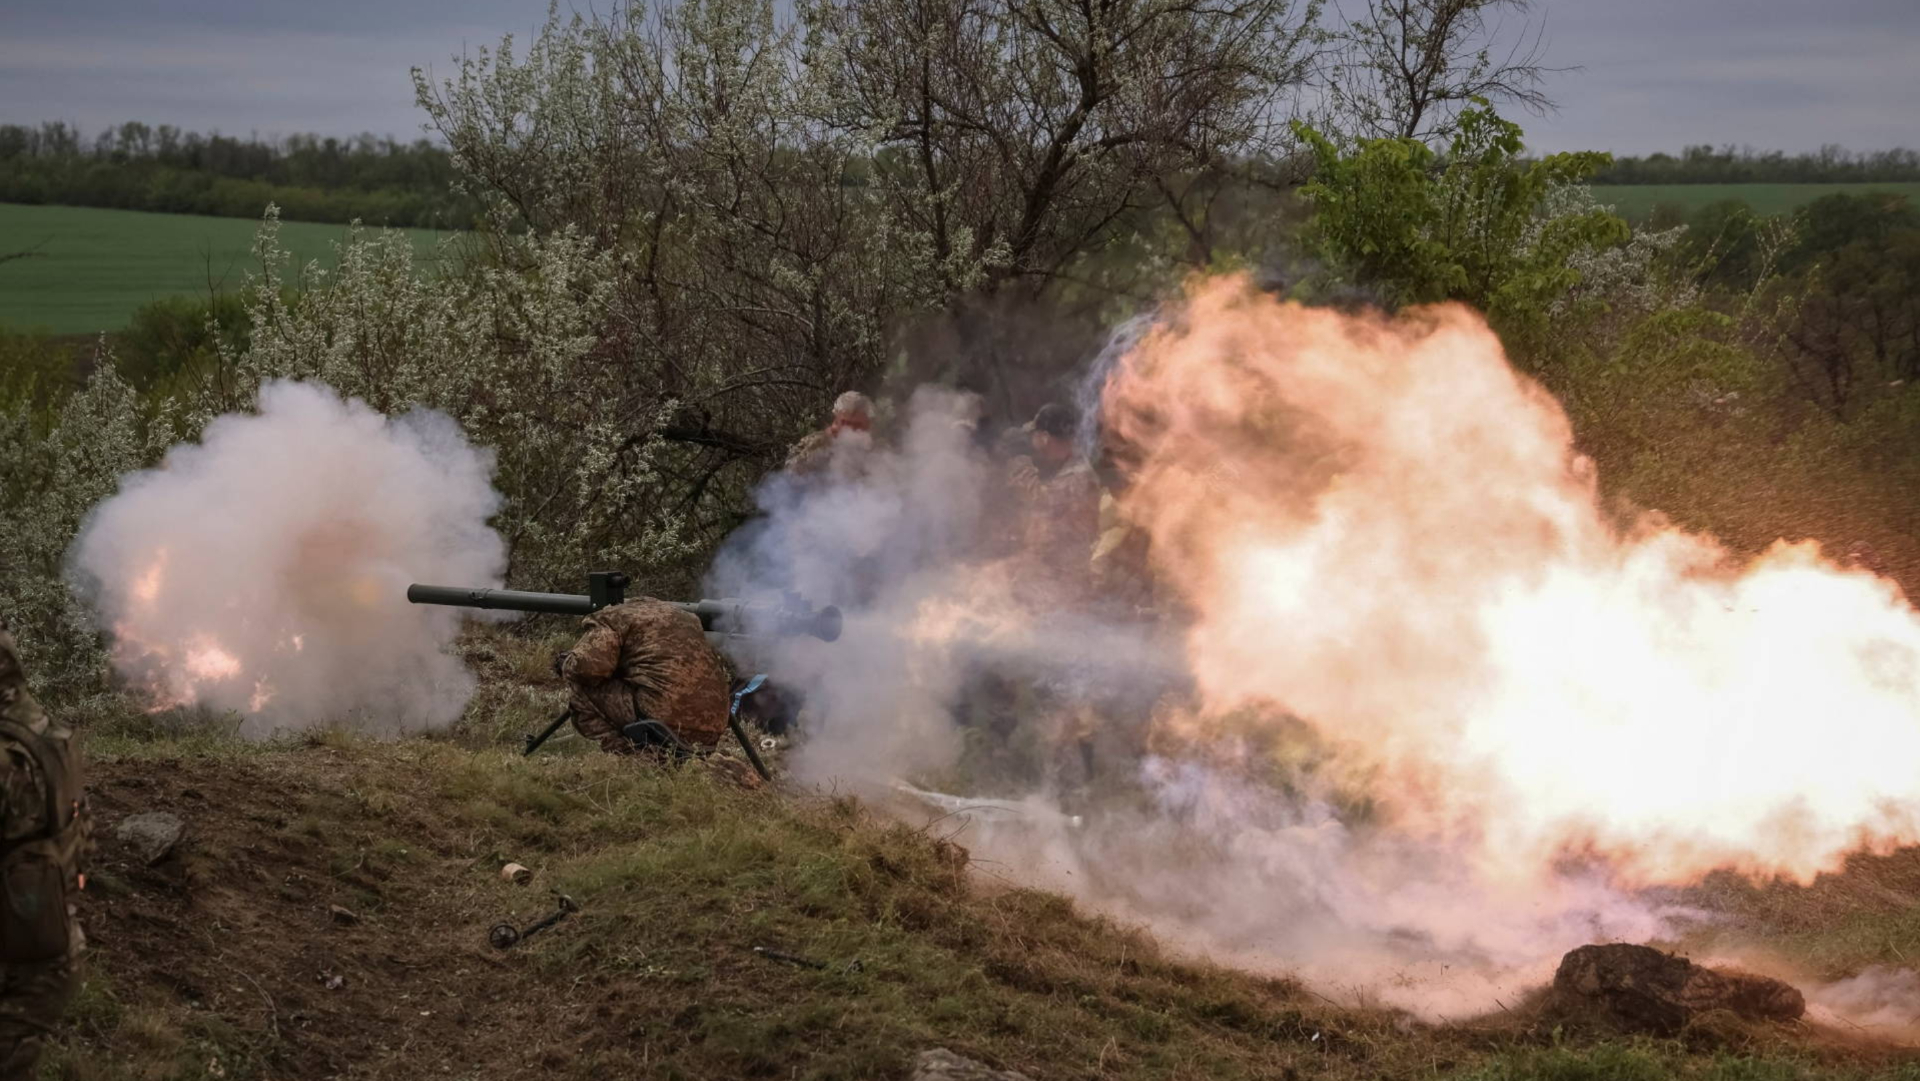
[
  {"x": 95, "y": 267},
  {"x": 1636, "y": 201}
]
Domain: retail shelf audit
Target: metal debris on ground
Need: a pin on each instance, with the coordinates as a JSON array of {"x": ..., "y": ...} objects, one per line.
[
  {"x": 1033, "y": 810},
  {"x": 516, "y": 874},
  {"x": 505, "y": 935}
]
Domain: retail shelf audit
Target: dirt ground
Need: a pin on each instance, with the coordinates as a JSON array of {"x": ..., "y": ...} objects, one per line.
[
  {"x": 308, "y": 944},
  {"x": 326, "y": 916}
]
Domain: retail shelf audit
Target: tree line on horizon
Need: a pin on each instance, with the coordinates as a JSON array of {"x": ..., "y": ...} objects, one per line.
[
  {"x": 163, "y": 168},
  {"x": 383, "y": 181},
  {"x": 1705, "y": 164}
]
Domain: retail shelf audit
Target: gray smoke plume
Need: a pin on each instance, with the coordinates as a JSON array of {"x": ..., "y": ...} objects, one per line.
[
  {"x": 264, "y": 569},
  {"x": 894, "y": 536}
]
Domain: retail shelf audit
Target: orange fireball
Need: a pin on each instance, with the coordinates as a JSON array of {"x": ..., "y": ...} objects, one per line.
[{"x": 1383, "y": 529}]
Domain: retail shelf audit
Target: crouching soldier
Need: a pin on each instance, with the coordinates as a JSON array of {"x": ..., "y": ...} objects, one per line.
[
  {"x": 42, "y": 842},
  {"x": 643, "y": 676}
]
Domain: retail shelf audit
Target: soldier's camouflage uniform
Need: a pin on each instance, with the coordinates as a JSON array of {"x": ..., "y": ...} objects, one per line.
[
  {"x": 42, "y": 841},
  {"x": 646, "y": 659},
  {"x": 829, "y": 452},
  {"x": 1059, "y": 524},
  {"x": 810, "y": 454}
]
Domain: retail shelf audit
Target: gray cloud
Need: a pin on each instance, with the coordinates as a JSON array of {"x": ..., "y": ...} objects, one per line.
[
  {"x": 1656, "y": 74},
  {"x": 274, "y": 68},
  {"x": 1660, "y": 74}
]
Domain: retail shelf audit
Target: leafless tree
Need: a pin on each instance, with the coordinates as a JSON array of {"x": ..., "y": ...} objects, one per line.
[
  {"x": 1404, "y": 68},
  {"x": 1027, "y": 133}
]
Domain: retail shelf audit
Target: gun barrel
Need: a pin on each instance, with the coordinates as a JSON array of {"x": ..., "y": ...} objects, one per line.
[
  {"x": 513, "y": 600},
  {"x": 721, "y": 619}
]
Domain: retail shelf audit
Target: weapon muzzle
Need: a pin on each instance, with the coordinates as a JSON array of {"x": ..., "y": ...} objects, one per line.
[{"x": 825, "y": 624}]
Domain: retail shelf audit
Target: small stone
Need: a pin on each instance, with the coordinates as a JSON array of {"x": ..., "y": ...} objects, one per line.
[
  {"x": 343, "y": 916},
  {"x": 151, "y": 835},
  {"x": 941, "y": 1064}
]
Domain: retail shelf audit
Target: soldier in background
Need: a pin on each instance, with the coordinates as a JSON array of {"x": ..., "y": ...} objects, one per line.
[
  {"x": 42, "y": 842},
  {"x": 1058, "y": 501},
  {"x": 841, "y": 445},
  {"x": 1059, "y": 508},
  {"x": 842, "y": 452}
]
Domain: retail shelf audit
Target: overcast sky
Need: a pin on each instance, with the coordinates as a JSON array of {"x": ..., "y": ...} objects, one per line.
[{"x": 1657, "y": 74}]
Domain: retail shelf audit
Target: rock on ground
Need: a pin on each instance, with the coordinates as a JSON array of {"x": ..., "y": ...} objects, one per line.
[
  {"x": 941, "y": 1064},
  {"x": 1647, "y": 990},
  {"x": 151, "y": 835}
]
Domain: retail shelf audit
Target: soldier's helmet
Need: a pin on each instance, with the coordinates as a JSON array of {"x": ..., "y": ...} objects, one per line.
[
  {"x": 853, "y": 404},
  {"x": 1056, "y": 420}
]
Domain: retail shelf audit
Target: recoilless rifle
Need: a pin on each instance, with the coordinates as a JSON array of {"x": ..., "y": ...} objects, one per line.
[{"x": 724, "y": 621}]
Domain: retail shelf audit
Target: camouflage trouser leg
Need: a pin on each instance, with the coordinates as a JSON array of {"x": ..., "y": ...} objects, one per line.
[
  {"x": 601, "y": 731},
  {"x": 32, "y": 998}
]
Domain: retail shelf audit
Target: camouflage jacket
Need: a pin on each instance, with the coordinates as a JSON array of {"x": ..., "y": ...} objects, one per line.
[
  {"x": 43, "y": 824},
  {"x": 648, "y": 659},
  {"x": 841, "y": 455},
  {"x": 1059, "y": 522}
]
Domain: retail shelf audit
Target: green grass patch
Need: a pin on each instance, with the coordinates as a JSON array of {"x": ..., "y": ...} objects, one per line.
[
  {"x": 94, "y": 267},
  {"x": 1637, "y": 201}
]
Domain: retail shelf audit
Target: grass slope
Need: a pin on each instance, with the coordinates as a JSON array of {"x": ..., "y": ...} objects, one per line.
[
  {"x": 227, "y": 960},
  {"x": 95, "y": 267},
  {"x": 1636, "y": 201},
  {"x": 327, "y": 916}
]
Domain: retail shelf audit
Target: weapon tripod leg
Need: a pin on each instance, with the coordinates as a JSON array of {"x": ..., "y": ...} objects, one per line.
[
  {"x": 753, "y": 756},
  {"x": 534, "y": 742}
]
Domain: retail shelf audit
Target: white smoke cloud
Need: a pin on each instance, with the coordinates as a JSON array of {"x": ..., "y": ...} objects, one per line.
[
  {"x": 872, "y": 536},
  {"x": 1878, "y": 998},
  {"x": 264, "y": 569}
]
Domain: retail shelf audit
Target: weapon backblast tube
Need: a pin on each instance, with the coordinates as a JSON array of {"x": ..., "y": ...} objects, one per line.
[
  {"x": 721, "y": 619},
  {"x": 513, "y": 600}
]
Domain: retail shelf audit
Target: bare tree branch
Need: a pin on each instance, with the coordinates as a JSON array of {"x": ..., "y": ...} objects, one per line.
[{"x": 1404, "y": 68}]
